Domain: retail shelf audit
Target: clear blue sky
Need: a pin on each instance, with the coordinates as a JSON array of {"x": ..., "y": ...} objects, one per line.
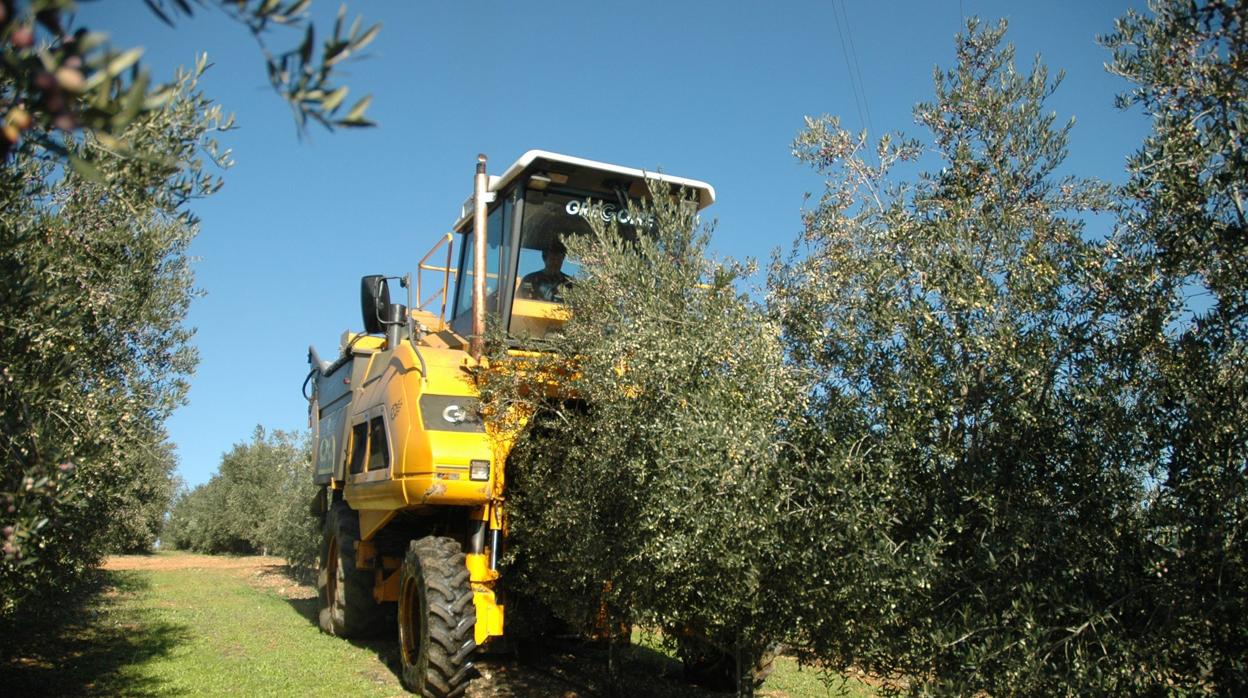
[{"x": 709, "y": 90}]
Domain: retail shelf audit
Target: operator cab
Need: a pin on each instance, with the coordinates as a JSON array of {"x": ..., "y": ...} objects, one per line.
[{"x": 539, "y": 203}]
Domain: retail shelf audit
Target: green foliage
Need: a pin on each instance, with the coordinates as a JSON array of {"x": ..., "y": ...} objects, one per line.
[
  {"x": 977, "y": 519},
  {"x": 147, "y": 494},
  {"x": 257, "y": 502},
  {"x": 57, "y": 82},
  {"x": 651, "y": 489},
  {"x": 93, "y": 352},
  {"x": 198, "y": 521},
  {"x": 1181, "y": 292},
  {"x": 290, "y": 530},
  {"x": 96, "y": 281}
]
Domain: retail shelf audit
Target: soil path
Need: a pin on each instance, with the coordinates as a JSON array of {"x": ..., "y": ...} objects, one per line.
[{"x": 189, "y": 561}]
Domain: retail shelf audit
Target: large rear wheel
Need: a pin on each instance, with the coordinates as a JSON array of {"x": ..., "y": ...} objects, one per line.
[
  {"x": 437, "y": 619},
  {"x": 347, "y": 608}
]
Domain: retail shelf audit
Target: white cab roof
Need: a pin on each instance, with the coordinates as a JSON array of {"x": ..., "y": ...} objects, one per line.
[{"x": 497, "y": 183}]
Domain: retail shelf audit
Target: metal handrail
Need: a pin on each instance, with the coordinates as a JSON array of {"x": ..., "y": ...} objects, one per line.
[
  {"x": 421, "y": 266},
  {"x": 431, "y": 299}
]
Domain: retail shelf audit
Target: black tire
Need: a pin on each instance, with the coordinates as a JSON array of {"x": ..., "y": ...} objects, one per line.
[
  {"x": 437, "y": 619},
  {"x": 347, "y": 608},
  {"x": 710, "y": 667}
]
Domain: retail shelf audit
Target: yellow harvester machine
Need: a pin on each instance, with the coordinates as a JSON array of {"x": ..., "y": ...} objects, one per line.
[{"x": 412, "y": 477}]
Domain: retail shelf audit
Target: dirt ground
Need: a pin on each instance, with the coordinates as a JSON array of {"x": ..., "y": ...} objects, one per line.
[
  {"x": 575, "y": 670},
  {"x": 188, "y": 561}
]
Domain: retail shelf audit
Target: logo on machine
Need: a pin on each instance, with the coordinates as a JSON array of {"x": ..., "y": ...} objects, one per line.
[
  {"x": 455, "y": 414},
  {"x": 607, "y": 213}
]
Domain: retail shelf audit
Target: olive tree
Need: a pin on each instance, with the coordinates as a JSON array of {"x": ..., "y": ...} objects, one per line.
[
  {"x": 93, "y": 354},
  {"x": 1180, "y": 290},
  {"x": 96, "y": 167},
  {"x": 58, "y": 81},
  {"x": 268, "y": 494},
  {"x": 146, "y": 493},
  {"x": 977, "y": 515},
  {"x": 649, "y": 486},
  {"x": 257, "y": 502}
]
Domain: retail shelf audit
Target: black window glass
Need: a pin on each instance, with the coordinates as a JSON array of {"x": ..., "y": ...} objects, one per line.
[
  {"x": 378, "y": 446},
  {"x": 359, "y": 447},
  {"x": 550, "y": 219},
  {"x": 493, "y": 264}
]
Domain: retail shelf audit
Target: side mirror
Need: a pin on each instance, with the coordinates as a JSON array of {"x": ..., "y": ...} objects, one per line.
[{"x": 374, "y": 299}]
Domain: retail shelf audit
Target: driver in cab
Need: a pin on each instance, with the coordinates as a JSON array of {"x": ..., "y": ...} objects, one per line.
[{"x": 545, "y": 283}]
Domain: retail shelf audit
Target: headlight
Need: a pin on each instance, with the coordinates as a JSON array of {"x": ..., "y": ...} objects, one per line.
[{"x": 479, "y": 470}]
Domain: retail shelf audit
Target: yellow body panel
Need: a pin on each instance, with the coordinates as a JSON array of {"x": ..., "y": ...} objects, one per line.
[
  {"x": 428, "y": 467},
  {"x": 533, "y": 318},
  {"x": 489, "y": 612}
]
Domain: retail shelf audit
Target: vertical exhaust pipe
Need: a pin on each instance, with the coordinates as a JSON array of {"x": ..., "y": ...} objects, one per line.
[
  {"x": 394, "y": 317},
  {"x": 476, "y": 344}
]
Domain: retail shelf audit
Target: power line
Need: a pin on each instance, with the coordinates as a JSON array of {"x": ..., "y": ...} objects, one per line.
[
  {"x": 849, "y": 71},
  {"x": 856, "y": 85},
  {"x": 853, "y": 54}
]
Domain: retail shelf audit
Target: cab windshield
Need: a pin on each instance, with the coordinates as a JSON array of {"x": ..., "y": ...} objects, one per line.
[
  {"x": 544, "y": 269},
  {"x": 550, "y": 220}
]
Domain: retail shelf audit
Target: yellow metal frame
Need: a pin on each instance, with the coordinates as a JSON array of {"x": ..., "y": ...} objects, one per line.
[{"x": 422, "y": 266}]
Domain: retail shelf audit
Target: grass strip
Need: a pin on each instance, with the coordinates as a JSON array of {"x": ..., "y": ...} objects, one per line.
[{"x": 209, "y": 631}]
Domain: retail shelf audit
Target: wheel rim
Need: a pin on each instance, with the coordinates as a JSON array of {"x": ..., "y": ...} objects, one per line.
[
  {"x": 409, "y": 606},
  {"x": 331, "y": 574}
]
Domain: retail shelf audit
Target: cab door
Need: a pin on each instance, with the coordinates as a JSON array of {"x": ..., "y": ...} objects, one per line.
[{"x": 499, "y": 266}]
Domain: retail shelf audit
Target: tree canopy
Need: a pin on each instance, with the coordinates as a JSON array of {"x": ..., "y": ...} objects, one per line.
[
  {"x": 652, "y": 483},
  {"x": 964, "y": 447},
  {"x": 97, "y": 165},
  {"x": 1180, "y": 291},
  {"x": 945, "y": 316},
  {"x": 59, "y": 81},
  {"x": 94, "y": 351},
  {"x": 257, "y": 502}
]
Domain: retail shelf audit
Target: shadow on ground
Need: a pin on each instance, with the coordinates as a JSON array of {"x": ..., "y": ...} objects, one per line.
[
  {"x": 85, "y": 642},
  {"x": 564, "y": 668},
  {"x": 574, "y": 668}
]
